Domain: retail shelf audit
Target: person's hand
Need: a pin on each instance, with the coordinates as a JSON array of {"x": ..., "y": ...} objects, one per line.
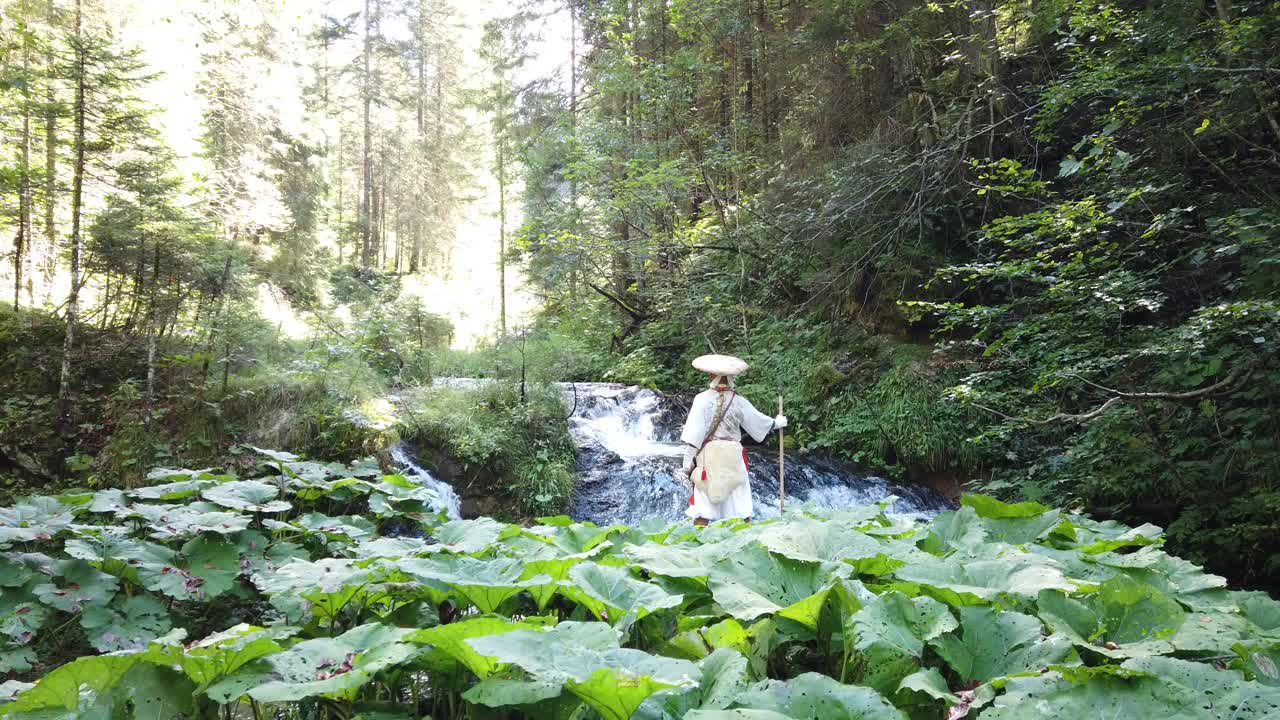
[
  {"x": 779, "y": 422},
  {"x": 687, "y": 470}
]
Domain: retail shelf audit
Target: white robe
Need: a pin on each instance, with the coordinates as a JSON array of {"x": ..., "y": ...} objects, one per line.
[{"x": 740, "y": 417}]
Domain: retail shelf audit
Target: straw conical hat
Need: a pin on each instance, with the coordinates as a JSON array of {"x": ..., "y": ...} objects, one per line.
[{"x": 720, "y": 364}]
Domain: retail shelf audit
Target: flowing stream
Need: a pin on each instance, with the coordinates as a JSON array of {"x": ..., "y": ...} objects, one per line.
[{"x": 629, "y": 458}]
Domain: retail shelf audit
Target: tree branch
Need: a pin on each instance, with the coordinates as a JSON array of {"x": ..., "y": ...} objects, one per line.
[
  {"x": 635, "y": 314},
  {"x": 1118, "y": 396}
]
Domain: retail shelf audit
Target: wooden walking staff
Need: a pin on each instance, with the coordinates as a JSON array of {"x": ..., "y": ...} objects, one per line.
[{"x": 782, "y": 460}]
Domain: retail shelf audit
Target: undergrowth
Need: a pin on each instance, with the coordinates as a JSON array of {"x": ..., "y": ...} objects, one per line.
[{"x": 516, "y": 448}]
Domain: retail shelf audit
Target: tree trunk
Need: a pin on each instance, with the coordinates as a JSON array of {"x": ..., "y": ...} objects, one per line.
[
  {"x": 151, "y": 341},
  {"x": 214, "y": 319},
  {"x": 502, "y": 229},
  {"x": 77, "y": 194},
  {"x": 23, "y": 240},
  {"x": 50, "y": 162},
  {"x": 366, "y": 192}
]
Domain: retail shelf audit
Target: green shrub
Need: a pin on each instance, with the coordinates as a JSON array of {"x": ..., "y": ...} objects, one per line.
[{"x": 513, "y": 446}]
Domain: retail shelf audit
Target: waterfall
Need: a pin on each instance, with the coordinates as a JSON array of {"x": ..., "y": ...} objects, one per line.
[
  {"x": 444, "y": 491},
  {"x": 628, "y": 460}
]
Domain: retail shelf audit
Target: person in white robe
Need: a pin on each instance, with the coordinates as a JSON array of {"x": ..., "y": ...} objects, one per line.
[{"x": 717, "y": 465}]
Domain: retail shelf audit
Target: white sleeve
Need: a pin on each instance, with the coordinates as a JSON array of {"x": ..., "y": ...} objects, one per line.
[
  {"x": 696, "y": 426},
  {"x": 756, "y": 423}
]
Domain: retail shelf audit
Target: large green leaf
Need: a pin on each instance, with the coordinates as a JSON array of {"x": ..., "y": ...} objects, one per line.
[
  {"x": 740, "y": 714},
  {"x": 130, "y": 625},
  {"x": 484, "y": 583},
  {"x": 961, "y": 579},
  {"x": 723, "y": 675},
  {"x": 171, "y": 522},
  {"x": 80, "y": 585},
  {"x": 61, "y": 689},
  {"x": 322, "y": 588},
  {"x": 989, "y": 507},
  {"x": 179, "y": 490},
  {"x": 334, "y": 666},
  {"x": 34, "y": 518},
  {"x": 1150, "y": 687},
  {"x": 818, "y": 697},
  {"x": 215, "y": 657},
  {"x": 682, "y": 560},
  {"x": 249, "y": 495},
  {"x": 555, "y": 570},
  {"x": 755, "y": 582},
  {"x": 612, "y": 593},
  {"x": 215, "y": 560},
  {"x": 501, "y": 692},
  {"x": 813, "y": 540},
  {"x": 890, "y": 633},
  {"x": 585, "y": 657},
  {"x": 1093, "y": 536},
  {"x": 451, "y": 641},
  {"x": 955, "y": 530},
  {"x": 993, "y": 644},
  {"x": 465, "y": 537},
  {"x": 347, "y": 527},
  {"x": 1123, "y": 619}
]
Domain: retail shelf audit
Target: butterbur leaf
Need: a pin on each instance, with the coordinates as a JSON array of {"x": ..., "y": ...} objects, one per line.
[
  {"x": 815, "y": 541},
  {"x": 451, "y": 641},
  {"x": 989, "y": 507},
  {"x": 954, "y": 530},
  {"x": 820, "y": 698},
  {"x": 585, "y": 657},
  {"x": 929, "y": 681},
  {"x": 209, "y": 660},
  {"x": 215, "y": 561},
  {"x": 555, "y": 570},
  {"x": 61, "y": 688},
  {"x": 890, "y": 633},
  {"x": 79, "y": 585},
  {"x": 135, "y": 622},
  {"x": 247, "y": 495},
  {"x": 1149, "y": 687},
  {"x": 172, "y": 522},
  {"x": 963, "y": 580},
  {"x": 169, "y": 492},
  {"x": 740, "y": 714},
  {"x": 682, "y": 560},
  {"x": 333, "y": 666},
  {"x": 34, "y": 518},
  {"x": 463, "y": 537},
  {"x": 484, "y": 583},
  {"x": 1123, "y": 619},
  {"x": 611, "y": 592},
  {"x": 345, "y": 527},
  {"x": 723, "y": 675},
  {"x": 500, "y": 692},
  {"x": 278, "y": 455},
  {"x": 755, "y": 582},
  {"x": 992, "y": 644},
  {"x": 17, "y": 658}
]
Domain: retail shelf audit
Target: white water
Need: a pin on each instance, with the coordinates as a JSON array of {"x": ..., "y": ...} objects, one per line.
[
  {"x": 628, "y": 462},
  {"x": 629, "y": 458},
  {"x": 444, "y": 491}
]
